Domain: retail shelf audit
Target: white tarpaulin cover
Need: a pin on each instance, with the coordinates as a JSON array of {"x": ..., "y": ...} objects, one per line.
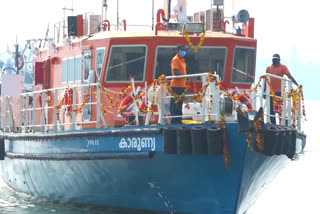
[{"x": 11, "y": 85}]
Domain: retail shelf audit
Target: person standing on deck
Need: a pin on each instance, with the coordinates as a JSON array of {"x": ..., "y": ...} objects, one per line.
[
  {"x": 178, "y": 85},
  {"x": 280, "y": 70}
]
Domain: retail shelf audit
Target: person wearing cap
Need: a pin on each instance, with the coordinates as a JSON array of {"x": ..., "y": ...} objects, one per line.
[
  {"x": 280, "y": 70},
  {"x": 178, "y": 85}
]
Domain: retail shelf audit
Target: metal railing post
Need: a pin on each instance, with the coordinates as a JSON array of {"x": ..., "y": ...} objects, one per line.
[
  {"x": 299, "y": 112},
  {"x": 262, "y": 92},
  {"x": 289, "y": 105},
  {"x": 136, "y": 109},
  {"x": 216, "y": 94},
  {"x": 204, "y": 99},
  {"x": 55, "y": 116},
  {"x": 160, "y": 111},
  {"x": 268, "y": 100},
  {"x": 26, "y": 116},
  {"x": 21, "y": 112},
  {"x": 43, "y": 115},
  {"x": 254, "y": 100},
  {"x": 283, "y": 116},
  {"x": 34, "y": 103},
  {"x": 98, "y": 107},
  {"x": 74, "y": 101}
]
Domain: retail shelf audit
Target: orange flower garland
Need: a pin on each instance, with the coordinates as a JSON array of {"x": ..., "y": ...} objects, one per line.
[{"x": 225, "y": 148}]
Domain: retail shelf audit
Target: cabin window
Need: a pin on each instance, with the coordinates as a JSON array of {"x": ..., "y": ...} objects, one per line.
[
  {"x": 78, "y": 69},
  {"x": 71, "y": 70},
  {"x": 64, "y": 71},
  {"x": 207, "y": 59},
  {"x": 100, "y": 60},
  {"x": 243, "y": 65},
  {"x": 87, "y": 64},
  {"x": 126, "y": 62}
]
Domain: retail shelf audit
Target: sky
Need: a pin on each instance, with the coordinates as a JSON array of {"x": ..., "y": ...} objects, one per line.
[{"x": 286, "y": 27}]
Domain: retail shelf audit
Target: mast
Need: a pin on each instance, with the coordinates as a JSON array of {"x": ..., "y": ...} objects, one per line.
[
  {"x": 17, "y": 56},
  {"x": 104, "y": 10},
  {"x": 117, "y": 14},
  {"x": 152, "y": 26}
]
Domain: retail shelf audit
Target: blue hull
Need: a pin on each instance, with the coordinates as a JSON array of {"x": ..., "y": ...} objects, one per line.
[{"x": 103, "y": 169}]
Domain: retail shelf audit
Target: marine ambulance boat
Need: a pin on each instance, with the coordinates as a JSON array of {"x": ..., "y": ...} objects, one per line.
[{"x": 96, "y": 128}]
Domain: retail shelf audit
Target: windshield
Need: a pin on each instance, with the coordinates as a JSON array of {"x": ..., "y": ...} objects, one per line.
[
  {"x": 126, "y": 62},
  {"x": 207, "y": 59},
  {"x": 243, "y": 65}
]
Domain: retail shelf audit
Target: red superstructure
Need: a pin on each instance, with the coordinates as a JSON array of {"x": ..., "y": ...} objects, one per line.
[{"x": 117, "y": 56}]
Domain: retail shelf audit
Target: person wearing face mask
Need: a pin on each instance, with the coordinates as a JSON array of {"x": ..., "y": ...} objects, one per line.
[
  {"x": 178, "y": 85},
  {"x": 280, "y": 70}
]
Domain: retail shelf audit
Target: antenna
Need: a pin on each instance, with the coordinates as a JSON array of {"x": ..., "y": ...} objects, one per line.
[
  {"x": 152, "y": 26},
  {"x": 105, "y": 6},
  {"x": 117, "y": 14},
  {"x": 64, "y": 17}
]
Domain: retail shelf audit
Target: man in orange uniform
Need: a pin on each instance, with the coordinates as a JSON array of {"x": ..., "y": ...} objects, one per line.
[
  {"x": 277, "y": 69},
  {"x": 178, "y": 85}
]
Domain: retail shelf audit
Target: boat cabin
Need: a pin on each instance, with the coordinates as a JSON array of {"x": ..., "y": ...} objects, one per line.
[{"x": 117, "y": 57}]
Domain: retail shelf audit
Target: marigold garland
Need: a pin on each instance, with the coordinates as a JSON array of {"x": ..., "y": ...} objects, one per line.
[
  {"x": 225, "y": 148},
  {"x": 198, "y": 97},
  {"x": 189, "y": 41},
  {"x": 249, "y": 140},
  {"x": 259, "y": 136}
]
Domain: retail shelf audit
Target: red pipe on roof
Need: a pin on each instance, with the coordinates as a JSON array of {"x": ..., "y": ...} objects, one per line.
[
  {"x": 160, "y": 14},
  {"x": 124, "y": 25},
  {"x": 104, "y": 23}
]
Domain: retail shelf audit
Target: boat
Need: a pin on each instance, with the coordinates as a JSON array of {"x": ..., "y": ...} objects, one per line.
[{"x": 96, "y": 129}]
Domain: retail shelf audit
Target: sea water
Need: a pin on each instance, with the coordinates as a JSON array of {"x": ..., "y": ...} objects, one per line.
[
  {"x": 297, "y": 187},
  {"x": 12, "y": 202},
  {"x": 295, "y": 190}
]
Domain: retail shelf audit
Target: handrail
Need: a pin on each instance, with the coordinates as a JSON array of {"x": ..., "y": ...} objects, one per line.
[
  {"x": 210, "y": 106},
  {"x": 287, "y": 112},
  {"x": 59, "y": 88},
  {"x": 32, "y": 122},
  {"x": 188, "y": 75},
  {"x": 207, "y": 108}
]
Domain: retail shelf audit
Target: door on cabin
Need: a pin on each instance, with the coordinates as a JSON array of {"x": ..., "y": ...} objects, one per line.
[{"x": 87, "y": 94}]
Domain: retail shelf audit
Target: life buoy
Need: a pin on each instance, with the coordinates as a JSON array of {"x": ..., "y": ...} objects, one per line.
[
  {"x": 244, "y": 99},
  {"x": 68, "y": 95},
  {"x": 128, "y": 100},
  {"x": 143, "y": 103}
]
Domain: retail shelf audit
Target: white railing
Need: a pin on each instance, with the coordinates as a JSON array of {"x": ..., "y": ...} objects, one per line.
[
  {"x": 286, "y": 117},
  {"x": 37, "y": 118},
  {"x": 207, "y": 109},
  {"x": 36, "y": 115}
]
